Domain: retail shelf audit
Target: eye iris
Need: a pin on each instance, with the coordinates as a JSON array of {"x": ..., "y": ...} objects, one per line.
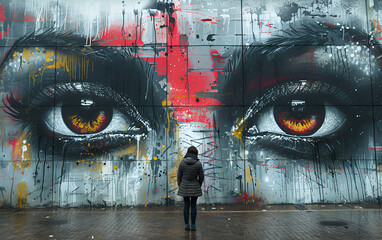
[
  {"x": 91, "y": 126},
  {"x": 299, "y": 120},
  {"x": 86, "y": 119}
]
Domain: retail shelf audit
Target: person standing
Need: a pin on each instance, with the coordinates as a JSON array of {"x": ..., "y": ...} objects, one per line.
[{"x": 190, "y": 179}]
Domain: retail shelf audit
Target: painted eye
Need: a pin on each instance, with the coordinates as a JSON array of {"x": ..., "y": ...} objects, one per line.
[
  {"x": 300, "y": 119},
  {"x": 86, "y": 120}
]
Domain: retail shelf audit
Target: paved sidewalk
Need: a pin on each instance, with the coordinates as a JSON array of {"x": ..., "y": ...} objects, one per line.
[{"x": 213, "y": 222}]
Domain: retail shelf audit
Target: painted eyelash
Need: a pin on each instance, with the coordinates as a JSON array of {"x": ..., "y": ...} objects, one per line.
[
  {"x": 115, "y": 141},
  {"x": 29, "y": 125},
  {"x": 269, "y": 137},
  {"x": 274, "y": 94},
  {"x": 296, "y": 147},
  {"x": 16, "y": 110},
  {"x": 277, "y": 136},
  {"x": 61, "y": 90}
]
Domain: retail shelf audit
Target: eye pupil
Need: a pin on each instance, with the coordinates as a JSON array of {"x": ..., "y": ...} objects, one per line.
[
  {"x": 86, "y": 118},
  {"x": 299, "y": 120}
]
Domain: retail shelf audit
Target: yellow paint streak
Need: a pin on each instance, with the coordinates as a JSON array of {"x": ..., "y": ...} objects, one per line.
[
  {"x": 76, "y": 66},
  {"x": 49, "y": 57},
  {"x": 164, "y": 104},
  {"x": 27, "y": 54},
  {"x": 240, "y": 127},
  {"x": 238, "y": 132},
  {"x": 249, "y": 178},
  {"x": 32, "y": 75},
  {"x": 25, "y": 164},
  {"x": 129, "y": 150},
  {"x": 142, "y": 151},
  {"x": 22, "y": 194},
  {"x": 100, "y": 168}
]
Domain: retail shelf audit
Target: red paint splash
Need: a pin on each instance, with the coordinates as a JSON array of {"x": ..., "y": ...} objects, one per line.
[
  {"x": 2, "y": 13},
  {"x": 248, "y": 198},
  {"x": 29, "y": 18},
  {"x": 159, "y": 63},
  {"x": 184, "y": 86},
  {"x": 5, "y": 33},
  {"x": 14, "y": 155},
  {"x": 379, "y": 27}
]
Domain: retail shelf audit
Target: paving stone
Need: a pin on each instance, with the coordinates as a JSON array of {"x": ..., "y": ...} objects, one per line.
[{"x": 166, "y": 222}]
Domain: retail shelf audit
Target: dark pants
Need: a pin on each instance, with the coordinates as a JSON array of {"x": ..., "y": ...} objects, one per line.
[{"x": 187, "y": 209}]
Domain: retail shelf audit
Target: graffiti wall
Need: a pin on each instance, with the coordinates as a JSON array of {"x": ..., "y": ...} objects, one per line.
[{"x": 101, "y": 99}]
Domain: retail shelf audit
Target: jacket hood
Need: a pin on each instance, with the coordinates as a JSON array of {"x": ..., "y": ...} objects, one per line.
[{"x": 190, "y": 160}]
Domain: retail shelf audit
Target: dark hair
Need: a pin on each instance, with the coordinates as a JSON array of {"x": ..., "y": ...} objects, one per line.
[{"x": 193, "y": 150}]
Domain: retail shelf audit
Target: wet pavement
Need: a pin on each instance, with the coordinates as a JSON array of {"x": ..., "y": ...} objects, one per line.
[{"x": 213, "y": 222}]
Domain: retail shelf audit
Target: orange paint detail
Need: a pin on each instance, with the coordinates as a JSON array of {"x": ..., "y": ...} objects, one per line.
[
  {"x": 300, "y": 126},
  {"x": 88, "y": 127},
  {"x": 22, "y": 194}
]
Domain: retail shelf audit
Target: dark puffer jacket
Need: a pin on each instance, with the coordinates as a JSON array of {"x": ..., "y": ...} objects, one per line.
[{"x": 190, "y": 176}]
